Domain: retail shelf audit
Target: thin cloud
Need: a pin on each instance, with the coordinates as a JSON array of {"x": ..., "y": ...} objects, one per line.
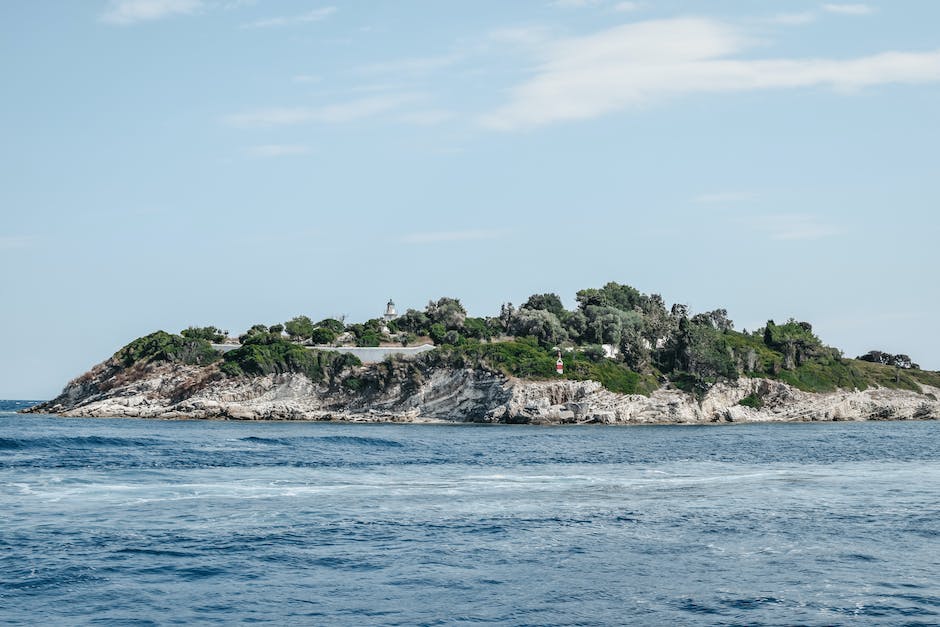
[
  {"x": 124, "y": 12},
  {"x": 278, "y": 150},
  {"x": 641, "y": 63},
  {"x": 848, "y": 9},
  {"x": 627, "y": 7},
  {"x": 315, "y": 15},
  {"x": 724, "y": 197},
  {"x": 794, "y": 227},
  {"x": 793, "y": 19},
  {"x": 575, "y": 4},
  {"x": 339, "y": 113},
  {"x": 451, "y": 236}
]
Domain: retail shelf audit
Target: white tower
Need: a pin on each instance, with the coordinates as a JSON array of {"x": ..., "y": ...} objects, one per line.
[{"x": 390, "y": 311}]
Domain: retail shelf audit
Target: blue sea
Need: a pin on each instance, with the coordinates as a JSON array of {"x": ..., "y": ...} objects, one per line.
[{"x": 135, "y": 522}]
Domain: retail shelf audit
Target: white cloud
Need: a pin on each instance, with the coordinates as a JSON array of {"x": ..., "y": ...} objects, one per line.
[
  {"x": 575, "y": 4},
  {"x": 315, "y": 15},
  {"x": 626, "y": 7},
  {"x": 451, "y": 236},
  {"x": 305, "y": 78},
  {"x": 328, "y": 114},
  {"x": 849, "y": 9},
  {"x": 724, "y": 197},
  {"x": 278, "y": 150},
  {"x": 794, "y": 226},
  {"x": 793, "y": 19},
  {"x": 640, "y": 63},
  {"x": 132, "y": 11}
]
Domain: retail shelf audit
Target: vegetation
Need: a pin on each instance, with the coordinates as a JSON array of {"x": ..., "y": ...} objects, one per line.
[
  {"x": 628, "y": 341},
  {"x": 210, "y": 334},
  {"x": 269, "y": 353},
  {"x": 163, "y": 346}
]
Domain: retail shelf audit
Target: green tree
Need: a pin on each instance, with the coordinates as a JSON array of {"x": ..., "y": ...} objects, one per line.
[
  {"x": 299, "y": 328},
  {"x": 446, "y": 311},
  {"x": 332, "y": 324},
  {"x": 547, "y": 302},
  {"x": 323, "y": 336},
  {"x": 543, "y": 325},
  {"x": 210, "y": 334}
]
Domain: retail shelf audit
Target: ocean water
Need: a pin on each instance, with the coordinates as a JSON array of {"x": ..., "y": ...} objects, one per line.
[{"x": 134, "y": 522}]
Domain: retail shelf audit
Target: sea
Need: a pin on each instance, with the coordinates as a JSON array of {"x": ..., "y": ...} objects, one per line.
[{"x": 145, "y": 522}]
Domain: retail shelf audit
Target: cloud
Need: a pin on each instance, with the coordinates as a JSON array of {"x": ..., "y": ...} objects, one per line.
[
  {"x": 451, "y": 236},
  {"x": 793, "y": 226},
  {"x": 849, "y": 9},
  {"x": 793, "y": 19},
  {"x": 641, "y": 63},
  {"x": 123, "y": 12},
  {"x": 626, "y": 7},
  {"x": 338, "y": 113},
  {"x": 315, "y": 15},
  {"x": 724, "y": 197},
  {"x": 278, "y": 150},
  {"x": 575, "y": 4},
  {"x": 305, "y": 78}
]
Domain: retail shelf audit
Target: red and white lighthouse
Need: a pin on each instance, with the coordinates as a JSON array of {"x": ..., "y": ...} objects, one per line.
[{"x": 559, "y": 365}]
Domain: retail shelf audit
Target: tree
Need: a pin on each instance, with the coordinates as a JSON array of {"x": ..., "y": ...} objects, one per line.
[
  {"x": 210, "y": 334},
  {"x": 546, "y": 302},
  {"x": 413, "y": 321},
  {"x": 276, "y": 329},
  {"x": 506, "y": 312},
  {"x": 299, "y": 328},
  {"x": 446, "y": 311},
  {"x": 576, "y": 324},
  {"x": 323, "y": 336},
  {"x": 332, "y": 324},
  {"x": 538, "y": 323}
]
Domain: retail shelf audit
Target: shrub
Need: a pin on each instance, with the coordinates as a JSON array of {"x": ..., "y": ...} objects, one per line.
[{"x": 163, "y": 346}]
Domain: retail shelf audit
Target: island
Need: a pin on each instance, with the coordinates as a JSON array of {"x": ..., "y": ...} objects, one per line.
[{"x": 620, "y": 357}]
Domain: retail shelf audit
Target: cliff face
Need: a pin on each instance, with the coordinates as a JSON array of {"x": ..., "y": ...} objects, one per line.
[{"x": 173, "y": 390}]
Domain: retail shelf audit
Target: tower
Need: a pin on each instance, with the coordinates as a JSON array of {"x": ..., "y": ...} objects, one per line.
[{"x": 390, "y": 311}]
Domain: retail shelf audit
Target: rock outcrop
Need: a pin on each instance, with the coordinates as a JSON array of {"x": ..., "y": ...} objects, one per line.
[{"x": 173, "y": 390}]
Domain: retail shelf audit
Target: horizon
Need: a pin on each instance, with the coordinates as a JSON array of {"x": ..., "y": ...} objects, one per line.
[{"x": 222, "y": 162}]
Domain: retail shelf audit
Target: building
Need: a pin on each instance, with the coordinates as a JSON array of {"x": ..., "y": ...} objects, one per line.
[{"x": 390, "y": 313}]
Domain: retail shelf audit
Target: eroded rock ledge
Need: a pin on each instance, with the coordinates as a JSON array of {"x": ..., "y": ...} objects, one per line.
[{"x": 174, "y": 391}]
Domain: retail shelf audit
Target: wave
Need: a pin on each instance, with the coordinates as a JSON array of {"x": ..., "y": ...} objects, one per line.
[
  {"x": 362, "y": 441},
  {"x": 91, "y": 441}
]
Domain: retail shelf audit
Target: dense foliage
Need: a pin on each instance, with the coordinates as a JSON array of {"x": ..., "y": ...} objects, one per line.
[
  {"x": 163, "y": 346},
  {"x": 269, "y": 353},
  {"x": 629, "y": 341}
]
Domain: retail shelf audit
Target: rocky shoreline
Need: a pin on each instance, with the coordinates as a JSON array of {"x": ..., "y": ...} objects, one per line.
[{"x": 449, "y": 395}]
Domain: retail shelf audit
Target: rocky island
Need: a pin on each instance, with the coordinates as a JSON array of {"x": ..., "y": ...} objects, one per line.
[{"x": 621, "y": 357}]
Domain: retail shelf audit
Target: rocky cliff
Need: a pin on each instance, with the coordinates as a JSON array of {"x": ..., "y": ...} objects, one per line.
[{"x": 446, "y": 394}]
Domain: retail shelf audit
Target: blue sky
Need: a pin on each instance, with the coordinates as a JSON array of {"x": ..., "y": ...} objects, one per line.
[{"x": 177, "y": 162}]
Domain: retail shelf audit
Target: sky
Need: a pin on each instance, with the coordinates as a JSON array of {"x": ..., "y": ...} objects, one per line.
[{"x": 169, "y": 163}]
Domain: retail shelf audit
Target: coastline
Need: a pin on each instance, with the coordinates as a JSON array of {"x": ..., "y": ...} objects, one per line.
[{"x": 451, "y": 395}]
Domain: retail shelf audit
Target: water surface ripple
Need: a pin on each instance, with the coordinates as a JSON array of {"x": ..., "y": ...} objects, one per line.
[{"x": 150, "y": 522}]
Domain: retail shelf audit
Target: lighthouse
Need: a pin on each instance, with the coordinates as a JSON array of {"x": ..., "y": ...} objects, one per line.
[{"x": 559, "y": 365}]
